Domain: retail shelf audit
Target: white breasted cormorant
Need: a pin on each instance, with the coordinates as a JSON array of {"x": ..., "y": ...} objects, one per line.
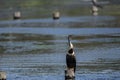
[{"x": 70, "y": 57}]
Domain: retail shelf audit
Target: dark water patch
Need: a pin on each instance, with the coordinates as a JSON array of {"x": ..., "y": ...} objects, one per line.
[
  {"x": 99, "y": 66},
  {"x": 96, "y": 36},
  {"x": 25, "y": 37},
  {"x": 105, "y": 39},
  {"x": 83, "y": 75},
  {"x": 17, "y": 46},
  {"x": 29, "y": 43},
  {"x": 50, "y": 38},
  {"x": 99, "y": 53},
  {"x": 39, "y": 43}
]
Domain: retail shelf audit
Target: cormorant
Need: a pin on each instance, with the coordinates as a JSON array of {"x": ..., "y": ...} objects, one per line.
[
  {"x": 96, "y": 4},
  {"x": 70, "y": 56}
]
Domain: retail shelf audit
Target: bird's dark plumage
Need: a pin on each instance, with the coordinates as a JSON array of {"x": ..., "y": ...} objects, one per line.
[
  {"x": 70, "y": 51},
  {"x": 71, "y": 61},
  {"x": 96, "y": 4}
]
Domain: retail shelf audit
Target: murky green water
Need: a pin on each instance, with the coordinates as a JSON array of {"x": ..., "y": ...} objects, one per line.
[{"x": 35, "y": 47}]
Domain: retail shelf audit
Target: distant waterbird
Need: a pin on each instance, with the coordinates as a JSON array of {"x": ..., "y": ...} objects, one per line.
[{"x": 94, "y": 2}]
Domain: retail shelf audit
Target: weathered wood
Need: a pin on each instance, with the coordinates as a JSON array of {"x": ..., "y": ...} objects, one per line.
[
  {"x": 56, "y": 15},
  {"x": 69, "y": 74},
  {"x": 95, "y": 13},
  {"x": 2, "y": 75},
  {"x": 17, "y": 15},
  {"x": 94, "y": 10}
]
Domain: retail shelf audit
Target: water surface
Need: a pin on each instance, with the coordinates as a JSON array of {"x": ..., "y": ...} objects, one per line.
[{"x": 35, "y": 47}]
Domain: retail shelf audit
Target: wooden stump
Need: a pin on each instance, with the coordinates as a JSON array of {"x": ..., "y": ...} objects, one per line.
[
  {"x": 56, "y": 15},
  {"x": 17, "y": 15},
  {"x": 2, "y": 75},
  {"x": 94, "y": 10},
  {"x": 95, "y": 13},
  {"x": 69, "y": 74}
]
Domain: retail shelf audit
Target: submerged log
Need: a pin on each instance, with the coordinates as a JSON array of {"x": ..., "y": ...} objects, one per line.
[
  {"x": 69, "y": 74},
  {"x": 2, "y": 75},
  {"x": 56, "y": 15},
  {"x": 17, "y": 15}
]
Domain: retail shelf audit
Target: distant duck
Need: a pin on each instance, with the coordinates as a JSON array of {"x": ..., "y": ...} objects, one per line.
[
  {"x": 70, "y": 56},
  {"x": 94, "y": 2}
]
